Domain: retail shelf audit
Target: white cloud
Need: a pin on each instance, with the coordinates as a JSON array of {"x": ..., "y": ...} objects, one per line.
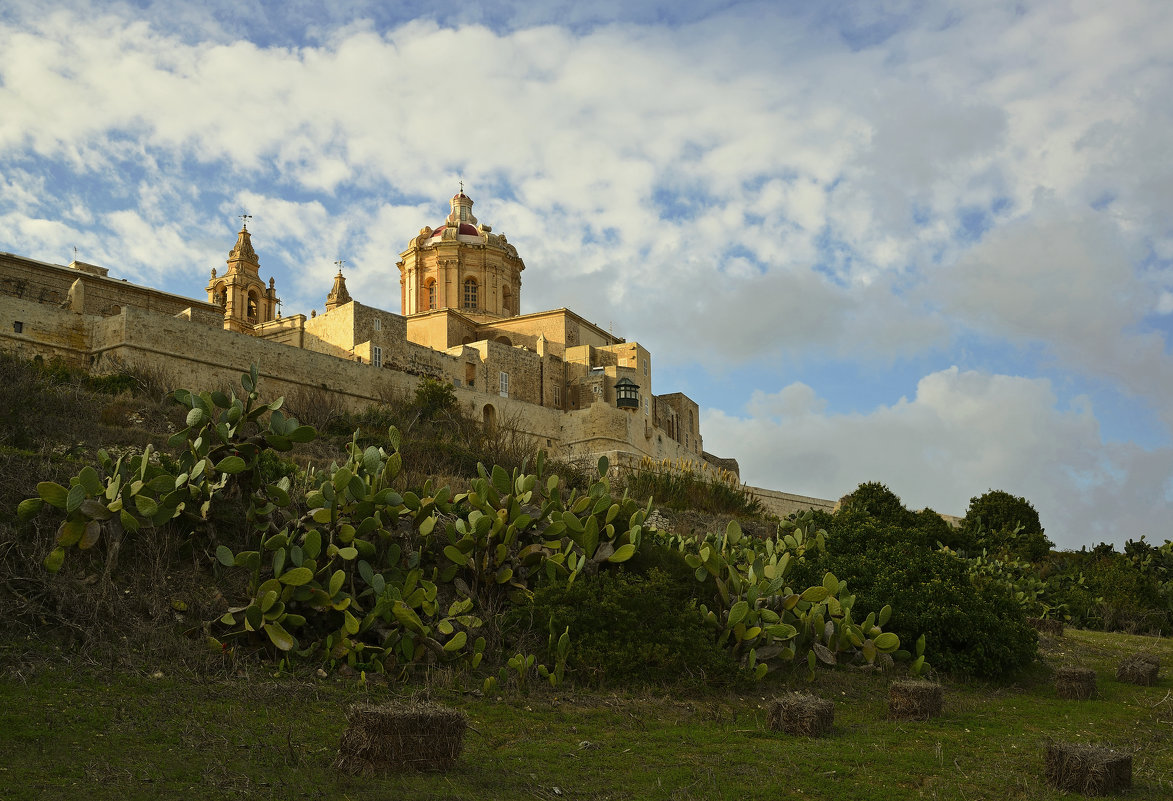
[
  {"x": 963, "y": 433},
  {"x": 754, "y": 184}
]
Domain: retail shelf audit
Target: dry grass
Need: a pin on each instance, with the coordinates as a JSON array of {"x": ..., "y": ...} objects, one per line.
[
  {"x": 1042, "y": 625},
  {"x": 801, "y": 714},
  {"x": 1075, "y": 683},
  {"x": 1087, "y": 769},
  {"x": 914, "y": 700},
  {"x": 402, "y": 736},
  {"x": 1139, "y": 669}
]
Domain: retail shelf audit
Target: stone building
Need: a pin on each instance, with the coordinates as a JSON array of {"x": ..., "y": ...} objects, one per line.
[{"x": 577, "y": 390}]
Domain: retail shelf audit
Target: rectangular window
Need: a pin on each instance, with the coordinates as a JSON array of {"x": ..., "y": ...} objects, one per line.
[
  {"x": 456, "y": 382},
  {"x": 558, "y": 396},
  {"x": 647, "y": 407},
  {"x": 18, "y": 327},
  {"x": 378, "y": 324},
  {"x": 504, "y": 385},
  {"x": 377, "y": 356}
]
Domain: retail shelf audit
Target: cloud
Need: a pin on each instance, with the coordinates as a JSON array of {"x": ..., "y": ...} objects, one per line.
[
  {"x": 1065, "y": 279},
  {"x": 963, "y": 432},
  {"x": 730, "y": 184}
]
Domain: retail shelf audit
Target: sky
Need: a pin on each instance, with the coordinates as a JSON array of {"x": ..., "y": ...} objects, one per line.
[{"x": 923, "y": 243}]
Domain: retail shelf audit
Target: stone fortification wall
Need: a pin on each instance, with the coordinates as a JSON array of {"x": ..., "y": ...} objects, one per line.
[
  {"x": 785, "y": 503},
  {"x": 50, "y": 284},
  {"x": 44, "y": 330},
  {"x": 186, "y": 343}
]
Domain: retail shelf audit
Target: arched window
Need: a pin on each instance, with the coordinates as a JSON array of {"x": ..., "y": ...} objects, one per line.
[
  {"x": 430, "y": 288},
  {"x": 220, "y": 293},
  {"x": 470, "y": 293},
  {"x": 252, "y": 307}
]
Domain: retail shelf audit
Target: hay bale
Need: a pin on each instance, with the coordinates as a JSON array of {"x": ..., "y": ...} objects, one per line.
[
  {"x": 914, "y": 700},
  {"x": 802, "y": 715},
  {"x": 394, "y": 737},
  {"x": 1074, "y": 683},
  {"x": 1139, "y": 669},
  {"x": 1087, "y": 769},
  {"x": 1046, "y": 626}
]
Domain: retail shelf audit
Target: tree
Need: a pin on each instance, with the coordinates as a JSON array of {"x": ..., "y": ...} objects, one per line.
[
  {"x": 876, "y": 500},
  {"x": 1007, "y": 524}
]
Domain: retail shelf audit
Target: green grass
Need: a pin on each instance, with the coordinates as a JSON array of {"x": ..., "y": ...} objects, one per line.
[{"x": 120, "y": 736}]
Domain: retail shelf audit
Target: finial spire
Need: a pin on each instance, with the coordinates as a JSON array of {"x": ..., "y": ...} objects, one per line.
[
  {"x": 244, "y": 218},
  {"x": 339, "y": 263},
  {"x": 338, "y": 295}
]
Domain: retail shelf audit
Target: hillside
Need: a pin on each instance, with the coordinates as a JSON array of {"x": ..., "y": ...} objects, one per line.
[{"x": 676, "y": 637}]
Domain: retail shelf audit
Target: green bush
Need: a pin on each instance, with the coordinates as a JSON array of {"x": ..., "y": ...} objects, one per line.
[
  {"x": 876, "y": 500},
  {"x": 695, "y": 491},
  {"x": 628, "y": 628},
  {"x": 970, "y": 629},
  {"x": 1006, "y": 524}
]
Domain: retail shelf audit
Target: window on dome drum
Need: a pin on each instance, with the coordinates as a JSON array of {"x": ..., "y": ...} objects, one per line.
[
  {"x": 470, "y": 293},
  {"x": 431, "y": 294}
]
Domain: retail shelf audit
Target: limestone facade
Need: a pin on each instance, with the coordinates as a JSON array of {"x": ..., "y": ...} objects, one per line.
[{"x": 551, "y": 375}]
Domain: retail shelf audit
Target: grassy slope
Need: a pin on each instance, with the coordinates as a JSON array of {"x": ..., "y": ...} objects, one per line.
[
  {"x": 122, "y": 736},
  {"x": 66, "y": 727}
]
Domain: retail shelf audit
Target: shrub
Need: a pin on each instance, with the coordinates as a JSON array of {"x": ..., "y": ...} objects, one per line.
[
  {"x": 876, "y": 500},
  {"x": 1006, "y": 524},
  {"x": 631, "y": 628},
  {"x": 974, "y": 630},
  {"x": 686, "y": 489},
  {"x": 434, "y": 399}
]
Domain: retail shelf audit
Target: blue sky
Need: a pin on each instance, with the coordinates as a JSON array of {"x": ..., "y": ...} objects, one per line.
[{"x": 925, "y": 243}]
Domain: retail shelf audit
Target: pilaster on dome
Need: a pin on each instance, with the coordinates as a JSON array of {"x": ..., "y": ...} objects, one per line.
[{"x": 338, "y": 295}]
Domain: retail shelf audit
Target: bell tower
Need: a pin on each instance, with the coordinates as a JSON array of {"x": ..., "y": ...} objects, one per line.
[{"x": 240, "y": 292}]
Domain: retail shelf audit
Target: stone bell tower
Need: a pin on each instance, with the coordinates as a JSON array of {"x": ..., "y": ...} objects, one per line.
[{"x": 240, "y": 292}]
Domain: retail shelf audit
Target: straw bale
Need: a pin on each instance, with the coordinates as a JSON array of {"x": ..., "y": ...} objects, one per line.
[
  {"x": 406, "y": 736},
  {"x": 1075, "y": 683},
  {"x": 1087, "y": 769},
  {"x": 1139, "y": 669},
  {"x": 802, "y": 714},
  {"x": 1046, "y": 626},
  {"x": 914, "y": 700}
]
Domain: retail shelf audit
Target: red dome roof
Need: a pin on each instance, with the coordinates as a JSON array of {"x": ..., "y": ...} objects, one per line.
[{"x": 465, "y": 228}]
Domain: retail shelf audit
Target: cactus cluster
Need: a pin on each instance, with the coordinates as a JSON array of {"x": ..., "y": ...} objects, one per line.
[
  {"x": 376, "y": 576},
  {"x": 768, "y": 623}
]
